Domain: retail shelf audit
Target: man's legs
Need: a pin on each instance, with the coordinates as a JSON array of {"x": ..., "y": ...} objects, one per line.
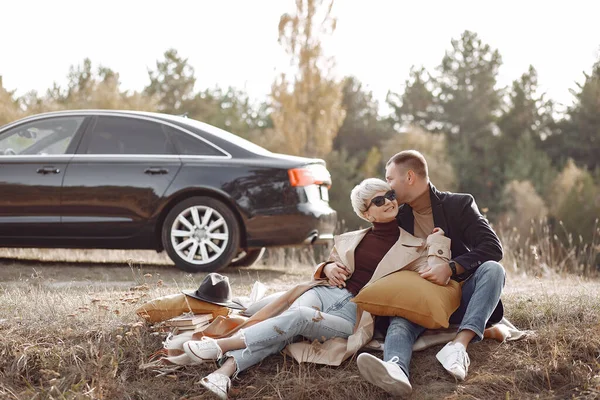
[
  {"x": 399, "y": 340},
  {"x": 391, "y": 374},
  {"x": 480, "y": 296}
]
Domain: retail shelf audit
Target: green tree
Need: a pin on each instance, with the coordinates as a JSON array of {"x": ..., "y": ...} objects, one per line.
[
  {"x": 307, "y": 104},
  {"x": 362, "y": 129},
  {"x": 525, "y": 122},
  {"x": 468, "y": 105},
  {"x": 526, "y": 111},
  {"x": 578, "y": 136},
  {"x": 231, "y": 110},
  {"x": 345, "y": 174},
  {"x": 417, "y": 106},
  {"x": 88, "y": 88},
  {"x": 171, "y": 83}
]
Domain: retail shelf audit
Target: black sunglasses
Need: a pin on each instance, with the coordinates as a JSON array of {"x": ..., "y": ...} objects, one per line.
[{"x": 380, "y": 200}]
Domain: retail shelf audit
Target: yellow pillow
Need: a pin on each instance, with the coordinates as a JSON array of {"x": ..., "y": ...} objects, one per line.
[
  {"x": 174, "y": 305},
  {"x": 405, "y": 294}
]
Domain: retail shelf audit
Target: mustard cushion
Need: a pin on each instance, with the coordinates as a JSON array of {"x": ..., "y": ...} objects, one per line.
[
  {"x": 405, "y": 294},
  {"x": 166, "y": 307}
]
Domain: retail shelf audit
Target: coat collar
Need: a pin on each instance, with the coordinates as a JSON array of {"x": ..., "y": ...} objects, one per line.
[
  {"x": 403, "y": 252},
  {"x": 439, "y": 216}
]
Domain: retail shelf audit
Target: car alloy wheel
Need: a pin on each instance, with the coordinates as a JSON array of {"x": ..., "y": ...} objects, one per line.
[{"x": 199, "y": 235}]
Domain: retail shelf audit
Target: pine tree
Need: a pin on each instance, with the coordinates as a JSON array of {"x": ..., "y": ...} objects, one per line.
[
  {"x": 417, "y": 106},
  {"x": 525, "y": 122},
  {"x": 578, "y": 136},
  {"x": 172, "y": 83},
  {"x": 362, "y": 129},
  {"x": 468, "y": 105}
]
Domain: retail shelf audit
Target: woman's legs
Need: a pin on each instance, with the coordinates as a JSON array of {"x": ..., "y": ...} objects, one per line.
[
  {"x": 229, "y": 344},
  {"x": 319, "y": 314},
  {"x": 308, "y": 299}
]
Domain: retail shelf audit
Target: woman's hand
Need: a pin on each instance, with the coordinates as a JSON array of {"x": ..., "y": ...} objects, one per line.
[{"x": 336, "y": 274}]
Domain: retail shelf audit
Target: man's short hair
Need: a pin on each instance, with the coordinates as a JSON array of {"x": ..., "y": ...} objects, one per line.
[{"x": 411, "y": 159}]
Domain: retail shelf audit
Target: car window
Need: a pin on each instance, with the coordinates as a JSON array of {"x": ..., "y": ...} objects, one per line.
[
  {"x": 188, "y": 145},
  {"x": 220, "y": 133},
  {"x": 42, "y": 137},
  {"x": 122, "y": 135}
]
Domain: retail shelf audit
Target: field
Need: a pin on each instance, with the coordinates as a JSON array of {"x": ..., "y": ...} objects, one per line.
[{"x": 69, "y": 331}]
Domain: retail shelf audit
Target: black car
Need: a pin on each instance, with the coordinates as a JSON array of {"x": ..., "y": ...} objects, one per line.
[{"x": 137, "y": 180}]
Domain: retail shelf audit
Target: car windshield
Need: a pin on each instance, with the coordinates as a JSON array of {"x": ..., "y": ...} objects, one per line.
[{"x": 230, "y": 137}]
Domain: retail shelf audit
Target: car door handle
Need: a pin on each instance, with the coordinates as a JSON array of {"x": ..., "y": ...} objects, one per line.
[
  {"x": 48, "y": 170},
  {"x": 156, "y": 171}
]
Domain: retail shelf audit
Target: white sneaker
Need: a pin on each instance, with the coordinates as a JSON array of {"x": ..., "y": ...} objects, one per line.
[
  {"x": 203, "y": 350},
  {"x": 217, "y": 384},
  {"x": 386, "y": 375},
  {"x": 454, "y": 359}
]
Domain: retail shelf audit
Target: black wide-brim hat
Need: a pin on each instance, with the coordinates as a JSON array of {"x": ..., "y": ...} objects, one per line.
[{"x": 214, "y": 289}]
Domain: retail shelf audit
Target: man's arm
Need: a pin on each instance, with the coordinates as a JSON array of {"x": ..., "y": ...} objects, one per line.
[{"x": 479, "y": 237}]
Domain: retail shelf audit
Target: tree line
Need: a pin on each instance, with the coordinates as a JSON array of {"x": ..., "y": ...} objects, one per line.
[{"x": 508, "y": 146}]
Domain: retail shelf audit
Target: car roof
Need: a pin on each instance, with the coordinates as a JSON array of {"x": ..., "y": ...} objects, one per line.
[{"x": 182, "y": 121}]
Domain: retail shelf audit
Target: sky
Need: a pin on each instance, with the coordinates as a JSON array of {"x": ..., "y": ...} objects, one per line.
[{"x": 234, "y": 42}]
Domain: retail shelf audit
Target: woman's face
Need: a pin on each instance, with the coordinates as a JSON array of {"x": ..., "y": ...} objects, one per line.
[{"x": 388, "y": 209}]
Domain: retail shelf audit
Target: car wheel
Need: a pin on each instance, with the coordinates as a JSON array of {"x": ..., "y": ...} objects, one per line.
[
  {"x": 201, "y": 234},
  {"x": 247, "y": 258}
]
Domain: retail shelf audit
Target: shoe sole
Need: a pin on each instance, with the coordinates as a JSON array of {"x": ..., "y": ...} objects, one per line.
[
  {"x": 218, "y": 394},
  {"x": 374, "y": 372}
]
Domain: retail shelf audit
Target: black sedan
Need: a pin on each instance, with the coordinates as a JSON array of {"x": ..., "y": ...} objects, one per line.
[{"x": 136, "y": 180}]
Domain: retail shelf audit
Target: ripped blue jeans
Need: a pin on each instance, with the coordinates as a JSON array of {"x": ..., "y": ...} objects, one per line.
[{"x": 321, "y": 313}]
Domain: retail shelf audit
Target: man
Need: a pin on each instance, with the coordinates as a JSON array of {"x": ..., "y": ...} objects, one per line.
[{"x": 476, "y": 251}]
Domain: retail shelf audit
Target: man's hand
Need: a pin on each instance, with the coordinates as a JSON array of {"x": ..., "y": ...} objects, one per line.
[
  {"x": 439, "y": 274},
  {"x": 336, "y": 274}
]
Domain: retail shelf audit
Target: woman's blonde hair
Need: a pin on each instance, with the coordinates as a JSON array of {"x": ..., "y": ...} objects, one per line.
[{"x": 361, "y": 195}]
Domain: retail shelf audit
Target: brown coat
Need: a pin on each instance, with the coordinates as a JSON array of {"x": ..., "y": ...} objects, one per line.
[{"x": 408, "y": 251}]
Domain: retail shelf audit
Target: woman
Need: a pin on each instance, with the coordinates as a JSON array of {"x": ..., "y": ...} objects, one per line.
[{"x": 324, "y": 311}]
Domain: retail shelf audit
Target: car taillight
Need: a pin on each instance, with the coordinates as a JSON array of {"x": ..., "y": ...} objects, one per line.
[{"x": 310, "y": 175}]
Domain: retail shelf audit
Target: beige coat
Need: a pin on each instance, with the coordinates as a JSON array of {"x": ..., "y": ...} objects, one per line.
[{"x": 408, "y": 252}]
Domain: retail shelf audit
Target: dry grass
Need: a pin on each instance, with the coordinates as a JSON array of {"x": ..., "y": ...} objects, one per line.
[
  {"x": 150, "y": 257},
  {"x": 70, "y": 332},
  {"x": 542, "y": 252}
]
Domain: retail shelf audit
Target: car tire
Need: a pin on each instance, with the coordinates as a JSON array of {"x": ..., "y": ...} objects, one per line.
[
  {"x": 201, "y": 234},
  {"x": 247, "y": 258}
]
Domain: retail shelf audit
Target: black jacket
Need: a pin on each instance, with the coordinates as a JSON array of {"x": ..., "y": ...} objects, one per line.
[{"x": 473, "y": 240}]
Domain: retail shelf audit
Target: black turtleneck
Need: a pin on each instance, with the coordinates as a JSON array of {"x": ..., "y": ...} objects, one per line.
[{"x": 369, "y": 252}]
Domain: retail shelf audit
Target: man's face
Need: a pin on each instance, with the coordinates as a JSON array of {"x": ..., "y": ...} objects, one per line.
[{"x": 396, "y": 176}]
